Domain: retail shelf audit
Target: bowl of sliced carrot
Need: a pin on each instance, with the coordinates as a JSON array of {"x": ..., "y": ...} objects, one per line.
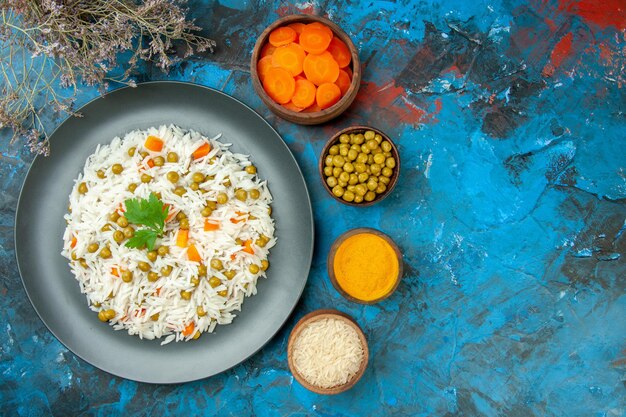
[{"x": 305, "y": 69}]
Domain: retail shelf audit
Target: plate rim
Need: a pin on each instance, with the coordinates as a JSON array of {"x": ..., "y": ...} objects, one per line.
[{"x": 39, "y": 156}]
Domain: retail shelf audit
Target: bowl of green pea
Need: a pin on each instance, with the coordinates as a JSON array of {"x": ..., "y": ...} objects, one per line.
[{"x": 359, "y": 166}]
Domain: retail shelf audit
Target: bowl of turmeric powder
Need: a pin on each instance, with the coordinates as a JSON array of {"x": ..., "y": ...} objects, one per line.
[{"x": 365, "y": 265}]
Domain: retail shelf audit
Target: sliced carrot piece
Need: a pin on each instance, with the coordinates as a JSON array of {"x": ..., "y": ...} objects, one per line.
[
  {"x": 203, "y": 150},
  {"x": 304, "y": 95},
  {"x": 343, "y": 81},
  {"x": 322, "y": 26},
  {"x": 192, "y": 254},
  {"x": 292, "y": 107},
  {"x": 298, "y": 28},
  {"x": 320, "y": 69},
  {"x": 279, "y": 84},
  {"x": 239, "y": 214},
  {"x": 210, "y": 226},
  {"x": 189, "y": 329},
  {"x": 182, "y": 238},
  {"x": 312, "y": 108},
  {"x": 282, "y": 36},
  {"x": 290, "y": 57},
  {"x": 247, "y": 247},
  {"x": 115, "y": 271},
  {"x": 153, "y": 144},
  {"x": 267, "y": 50},
  {"x": 233, "y": 256},
  {"x": 327, "y": 95},
  {"x": 73, "y": 242},
  {"x": 314, "y": 40},
  {"x": 263, "y": 65},
  {"x": 348, "y": 70},
  {"x": 340, "y": 52},
  {"x": 121, "y": 208},
  {"x": 150, "y": 163},
  {"x": 158, "y": 291}
]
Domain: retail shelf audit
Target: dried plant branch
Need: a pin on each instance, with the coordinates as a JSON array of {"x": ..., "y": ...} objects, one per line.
[{"x": 49, "y": 47}]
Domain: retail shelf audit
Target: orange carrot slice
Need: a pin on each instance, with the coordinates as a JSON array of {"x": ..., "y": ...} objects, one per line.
[
  {"x": 348, "y": 70},
  {"x": 312, "y": 108},
  {"x": 158, "y": 291},
  {"x": 300, "y": 77},
  {"x": 340, "y": 52},
  {"x": 189, "y": 329},
  {"x": 290, "y": 57},
  {"x": 203, "y": 150},
  {"x": 239, "y": 214},
  {"x": 343, "y": 81},
  {"x": 314, "y": 40},
  {"x": 267, "y": 50},
  {"x": 320, "y": 69},
  {"x": 327, "y": 95},
  {"x": 115, "y": 271},
  {"x": 279, "y": 84},
  {"x": 282, "y": 36},
  {"x": 322, "y": 26},
  {"x": 73, "y": 242},
  {"x": 304, "y": 94},
  {"x": 292, "y": 107},
  {"x": 209, "y": 226},
  {"x": 298, "y": 28},
  {"x": 233, "y": 256},
  {"x": 153, "y": 144},
  {"x": 247, "y": 247},
  {"x": 263, "y": 65},
  {"x": 192, "y": 254},
  {"x": 182, "y": 238}
]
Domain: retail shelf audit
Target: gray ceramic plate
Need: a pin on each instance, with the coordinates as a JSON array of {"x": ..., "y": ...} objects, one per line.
[{"x": 52, "y": 288}]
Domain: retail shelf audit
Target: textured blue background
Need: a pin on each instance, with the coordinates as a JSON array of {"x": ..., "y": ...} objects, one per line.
[{"x": 510, "y": 210}]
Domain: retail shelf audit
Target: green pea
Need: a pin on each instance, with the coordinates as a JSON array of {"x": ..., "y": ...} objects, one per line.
[
  {"x": 342, "y": 183},
  {"x": 117, "y": 169},
  {"x": 375, "y": 168},
  {"x": 381, "y": 188},
  {"x": 369, "y": 135},
  {"x": 118, "y": 236},
  {"x": 185, "y": 295},
  {"x": 105, "y": 253},
  {"x": 206, "y": 212},
  {"x": 211, "y": 204},
  {"x": 361, "y": 158},
  {"x": 370, "y": 159},
  {"x": 129, "y": 232},
  {"x": 379, "y": 158},
  {"x": 355, "y": 147},
  {"x": 337, "y": 172},
  {"x": 360, "y": 189},
  {"x": 200, "y": 311},
  {"x": 354, "y": 179},
  {"x": 132, "y": 187},
  {"x": 222, "y": 198},
  {"x": 194, "y": 186},
  {"x": 365, "y": 149},
  {"x": 350, "y": 188},
  {"x": 254, "y": 269},
  {"x": 127, "y": 276},
  {"x": 172, "y": 157},
  {"x": 369, "y": 196},
  {"x": 344, "y": 151},
  {"x": 230, "y": 274},
  {"x": 348, "y": 167},
  {"x": 387, "y": 172},
  {"x": 163, "y": 250},
  {"x": 254, "y": 194},
  {"x": 386, "y": 146},
  {"x": 184, "y": 224},
  {"x": 180, "y": 191},
  {"x": 215, "y": 282},
  {"x": 159, "y": 161},
  {"x": 358, "y": 198},
  {"x": 359, "y": 139},
  {"x": 328, "y": 161},
  {"x": 338, "y": 191},
  {"x": 390, "y": 162},
  {"x": 338, "y": 160},
  {"x": 371, "y": 144},
  {"x": 241, "y": 195},
  {"x": 172, "y": 176},
  {"x": 363, "y": 176},
  {"x": 265, "y": 264},
  {"x": 100, "y": 173},
  {"x": 360, "y": 167},
  {"x": 122, "y": 222},
  {"x": 251, "y": 169},
  {"x": 82, "y": 188},
  {"x": 344, "y": 138},
  {"x": 378, "y": 138},
  {"x": 333, "y": 150},
  {"x": 197, "y": 177},
  {"x": 348, "y": 196},
  {"x": 154, "y": 317},
  {"x": 377, "y": 151},
  {"x": 328, "y": 171},
  {"x": 145, "y": 178},
  {"x": 92, "y": 247},
  {"x": 166, "y": 270},
  {"x": 195, "y": 281},
  {"x": 371, "y": 184},
  {"x": 344, "y": 176},
  {"x": 152, "y": 255},
  {"x": 144, "y": 266},
  {"x": 352, "y": 154},
  {"x": 131, "y": 151},
  {"x": 331, "y": 181},
  {"x": 384, "y": 180},
  {"x": 217, "y": 264}
]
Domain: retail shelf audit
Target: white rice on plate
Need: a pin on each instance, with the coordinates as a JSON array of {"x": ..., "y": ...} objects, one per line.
[{"x": 177, "y": 301}]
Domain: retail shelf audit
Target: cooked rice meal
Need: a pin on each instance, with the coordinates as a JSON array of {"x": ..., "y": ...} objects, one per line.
[{"x": 168, "y": 232}]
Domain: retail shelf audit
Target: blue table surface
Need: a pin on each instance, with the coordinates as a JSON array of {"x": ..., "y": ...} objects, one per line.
[{"x": 510, "y": 211}]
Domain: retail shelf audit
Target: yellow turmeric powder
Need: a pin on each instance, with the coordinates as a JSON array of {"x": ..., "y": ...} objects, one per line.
[{"x": 366, "y": 266}]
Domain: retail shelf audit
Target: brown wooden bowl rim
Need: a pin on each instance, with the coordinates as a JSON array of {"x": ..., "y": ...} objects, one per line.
[
  {"x": 392, "y": 182},
  {"x": 347, "y": 98},
  {"x": 331, "y": 259},
  {"x": 318, "y": 315}
]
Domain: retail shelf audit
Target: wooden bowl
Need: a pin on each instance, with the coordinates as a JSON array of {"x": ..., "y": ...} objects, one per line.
[
  {"x": 331, "y": 260},
  {"x": 318, "y": 315},
  {"x": 335, "y": 140},
  {"x": 303, "y": 118}
]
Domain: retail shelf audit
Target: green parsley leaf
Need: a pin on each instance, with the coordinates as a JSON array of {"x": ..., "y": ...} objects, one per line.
[
  {"x": 149, "y": 212},
  {"x": 143, "y": 238}
]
